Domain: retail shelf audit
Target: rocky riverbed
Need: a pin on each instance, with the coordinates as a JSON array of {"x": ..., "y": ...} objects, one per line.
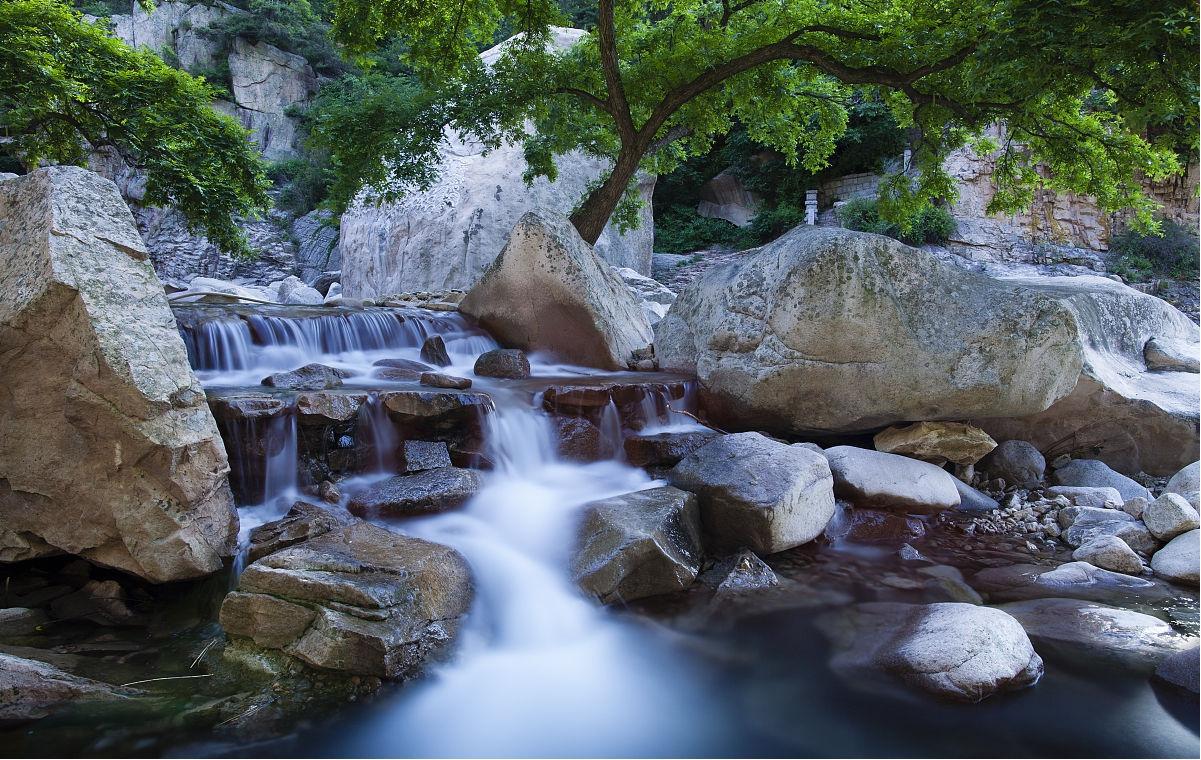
[{"x": 785, "y": 513}]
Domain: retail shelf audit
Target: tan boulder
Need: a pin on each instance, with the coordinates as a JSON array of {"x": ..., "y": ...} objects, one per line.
[
  {"x": 107, "y": 446},
  {"x": 549, "y": 291},
  {"x": 936, "y": 442}
]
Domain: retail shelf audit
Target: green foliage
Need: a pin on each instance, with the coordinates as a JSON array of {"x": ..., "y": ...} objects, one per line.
[
  {"x": 102, "y": 8},
  {"x": 929, "y": 224},
  {"x": 680, "y": 229},
  {"x": 67, "y": 87},
  {"x": 303, "y": 182},
  {"x": 1138, "y": 257},
  {"x": 290, "y": 25},
  {"x": 771, "y": 223},
  {"x": 1097, "y": 94},
  {"x": 344, "y": 126}
]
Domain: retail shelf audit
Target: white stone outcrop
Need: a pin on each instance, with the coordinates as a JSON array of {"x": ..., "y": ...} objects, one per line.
[
  {"x": 444, "y": 237},
  {"x": 107, "y": 446}
]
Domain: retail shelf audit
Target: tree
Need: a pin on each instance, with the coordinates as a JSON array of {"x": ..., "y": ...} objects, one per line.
[
  {"x": 67, "y": 88},
  {"x": 1096, "y": 95}
]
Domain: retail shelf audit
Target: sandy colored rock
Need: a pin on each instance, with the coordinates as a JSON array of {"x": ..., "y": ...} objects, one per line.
[
  {"x": 107, "y": 446},
  {"x": 548, "y": 291},
  {"x": 936, "y": 442}
]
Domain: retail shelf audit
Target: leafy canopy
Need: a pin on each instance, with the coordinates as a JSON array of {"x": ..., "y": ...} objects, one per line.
[
  {"x": 1096, "y": 95},
  {"x": 67, "y": 88}
]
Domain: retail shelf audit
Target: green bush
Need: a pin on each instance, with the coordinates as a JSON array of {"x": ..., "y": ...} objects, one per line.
[
  {"x": 290, "y": 25},
  {"x": 303, "y": 182},
  {"x": 102, "y": 8},
  {"x": 1137, "y": 257},
  {"x": 771, "y": 223},
  {"x": 932, "y": 224},
  {"x": 682, "y": 230}
]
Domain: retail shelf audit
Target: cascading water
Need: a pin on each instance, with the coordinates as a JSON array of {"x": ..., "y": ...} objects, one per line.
[{"x": 539, "y": 669}]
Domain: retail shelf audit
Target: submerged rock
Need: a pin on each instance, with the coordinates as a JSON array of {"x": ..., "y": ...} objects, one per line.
[
  {"x": 1074, "y": 580},
  {"x": 1178, "y": 561},
  {"x": 956, "y": 651},
  {"x": 665, "y": 449},
  {"x": 439, "y": 380},
  {"x": 1092, "y": 473},
  {"x": 740, "y": 573},
  {"x": 638, "y": 544},
  {"x": 310, "y": 377},
  {"x": 1172, "y": 355},
  {"x": 757, "y": 493},
  {"x": 549, "y": 291},
  {"x": 874, "y": 479},
  {"x": 1096, "y": 634},
  {"x": 107, "y": 446},
  {"x": 936, "y": 442},
  {"x": 1018, "y": 463},
  {"x": 359, "y": 599},
  {"x": 423, "y": 493},
  {"x": 503, "y": 362},
  {"x": 30, "y": 690}
]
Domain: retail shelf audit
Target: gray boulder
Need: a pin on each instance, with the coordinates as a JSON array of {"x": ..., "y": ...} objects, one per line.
[
  {"x": 828, "y": 330},
  {"x": 447, "y": 234},
  {"x": 874, "y": 479},
  {"x": 1187, "y": 483},
  {"x": 1169, "y": 516},
  {"x": 422, "y": 493},
  {"x": 108, "y": 449},
  {"x": 757, "y": 493},
  {"x": 1018, "y": 463},
  {"x": 1181, "y": 670},
  {"x": 1109, "y": 553},
  {"x": 1094, "y": 473},
  {"x": 30, "y": 690},
  {"x": 665, "y": 449},
  {"x": 638, "y": 544},
  {"x": 1089, "y": 523},
  {"x": 740, "y": 573},
  {"x": 503, "y": 362},
  {"x": 654, "y": 297},
  {"x": 548, "y": 291},
  {"x": 1074, "y": 580},
  {"x": 1178, "y": 561},
  {"x": 1130, "y": 416},
  {"x": 359, "y": 599},
  {"x": 1096, "y": 634},
  {"x": 956, "y": 651},
  {"x": 974, "y": 500},
  {"x": 292, "y": 290}
]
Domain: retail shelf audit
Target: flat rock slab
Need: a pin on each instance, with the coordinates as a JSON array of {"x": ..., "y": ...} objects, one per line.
[
  {"x": 302, "y": 522},
  {"x": 1073, "y": 580},
  {"x": 422, "y": 493},
  {"x": 310, "y": 377},
  {"x": 936, "y": 442},
  {"x": 875, "y": 479},
  {"x": 955, "y": 651},
  {"x": 757, "y": 493},
  {"x": 638, "y": 544},
  {"x": 1088, "y": 496},
  {"x": 1097, "y": 635},
  {"x": 30, "y": 689},
  {"x": 665, "y": 449},
  {"x": 359, "y": 599}
]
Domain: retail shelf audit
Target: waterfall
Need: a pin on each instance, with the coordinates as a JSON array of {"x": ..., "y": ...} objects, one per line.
[{"x": 377, "y": 433}]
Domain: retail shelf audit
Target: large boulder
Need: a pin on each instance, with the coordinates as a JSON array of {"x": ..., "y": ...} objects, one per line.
[
  {"x": 1187, "y": 483},
  {"x": 758, "y": 493},
  {"x": 549, "y": 291},
  {"x": 446, "y": 235},
  {"x": 1123, "y": 412},
  {"x": 107, "y": 446},
  {"x": 638, "y": 544},
  {"x": 1018, "y": 463},
  {"x": 869, "y": 478},
  {"x": 1092, "y": 473},
  {"x": 956, "y": 651},
  {"x": 1109, "y": 552},
  {"x": 358, "y": 599},
  {"x": 828, "y": 330},
  {"x": 1169, "y": 516}
]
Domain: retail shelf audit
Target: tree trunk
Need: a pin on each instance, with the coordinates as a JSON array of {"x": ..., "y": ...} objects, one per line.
[{"x": 593, "y": 214}]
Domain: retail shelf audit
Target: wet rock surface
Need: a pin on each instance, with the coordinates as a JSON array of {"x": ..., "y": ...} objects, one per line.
[
  {"x": 757, "y": 493},
  {"x": 426, "y": 492},
  {"x": 503, "y": 362},
  {"x": 665, "y": 449},
  {"x": 310, "y": 377},
  {"x": 638, "y": 545},
  {"x": 30, "y": 689},
  {"x": 358, "y": 599}
]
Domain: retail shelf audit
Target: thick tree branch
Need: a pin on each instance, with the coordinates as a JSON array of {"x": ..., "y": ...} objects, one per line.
[{"x": 620, "y": 107}]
